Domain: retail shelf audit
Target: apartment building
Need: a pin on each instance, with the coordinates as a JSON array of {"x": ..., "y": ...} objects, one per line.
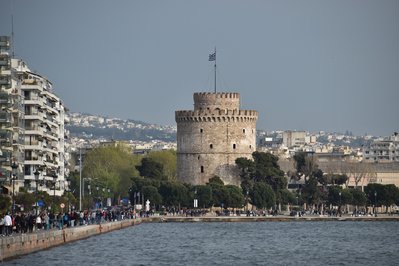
[
  {"x": 32, "y": 132},
  {"x": 11, "y": 121},
  {"x": 383, "y": 150},
  {"x": 44, "y": 140}
]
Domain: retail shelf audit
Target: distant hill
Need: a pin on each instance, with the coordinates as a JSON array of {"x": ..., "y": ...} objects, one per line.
[{"x": 100, "y": 127}]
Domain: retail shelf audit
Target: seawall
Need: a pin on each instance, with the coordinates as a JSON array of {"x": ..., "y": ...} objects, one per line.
[{"x": 19, "y": 245}]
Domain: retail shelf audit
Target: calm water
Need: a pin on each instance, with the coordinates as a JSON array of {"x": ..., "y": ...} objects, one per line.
[{"x": 263, "y": 243}]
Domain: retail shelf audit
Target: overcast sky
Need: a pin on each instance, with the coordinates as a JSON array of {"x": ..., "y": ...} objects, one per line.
[{"x": 304, "y": 65}]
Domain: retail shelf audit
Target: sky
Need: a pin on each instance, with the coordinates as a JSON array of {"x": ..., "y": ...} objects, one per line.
[{"x": 303, "y": 65}]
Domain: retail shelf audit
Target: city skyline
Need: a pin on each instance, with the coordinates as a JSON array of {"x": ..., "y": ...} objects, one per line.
[{"x": 303, "y": 65}]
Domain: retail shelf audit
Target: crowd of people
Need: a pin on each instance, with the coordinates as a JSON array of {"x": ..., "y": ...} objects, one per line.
[{"x": 22, "y": 223}]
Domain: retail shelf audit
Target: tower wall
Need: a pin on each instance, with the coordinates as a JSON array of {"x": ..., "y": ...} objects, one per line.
[{"x": 212, "y": 137}]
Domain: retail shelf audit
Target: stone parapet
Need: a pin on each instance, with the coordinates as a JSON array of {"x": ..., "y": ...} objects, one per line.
[{"x": 28, "y": 243}]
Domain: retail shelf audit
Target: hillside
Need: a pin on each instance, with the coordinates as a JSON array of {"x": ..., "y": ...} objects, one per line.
[{"x": 99, "y": 127}]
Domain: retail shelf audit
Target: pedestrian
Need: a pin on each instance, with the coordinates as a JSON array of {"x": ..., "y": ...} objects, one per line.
[{"x": 8, "y": 224}]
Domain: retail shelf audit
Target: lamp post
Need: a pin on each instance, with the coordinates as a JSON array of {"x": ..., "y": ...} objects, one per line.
[
  {"x": 14, "y": 167},
  {"x": 340, "y": 203},
  {"x": 246, "y": 200},
  {"x": 375, "y": 203},
  {"x": 36, "y": 174},
  {"x": 54, "y": 182}
]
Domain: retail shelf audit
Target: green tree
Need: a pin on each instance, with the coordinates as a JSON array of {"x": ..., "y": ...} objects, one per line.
[
  {"x": 285, "y": 197},
  {"x": 150, "y": 168},
  {"x": 236, "y": 198},
  {"x": 168, "y": 159},
  {"x": 263, "y": 196},
  {"x": 109, "y": 167},
  {"x": 204, "y": 195},
  {"x": 151, "y": 193},
  {"x": 390, "y": 195},
  {"x": 358, "y": 198},
  {"x": 174, "y": 194}
]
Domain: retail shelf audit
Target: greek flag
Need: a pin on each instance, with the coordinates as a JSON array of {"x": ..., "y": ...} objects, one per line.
[{"x": 212, "y": 57}]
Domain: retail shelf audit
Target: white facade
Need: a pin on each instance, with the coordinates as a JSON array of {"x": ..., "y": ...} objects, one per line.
[
  {"x": 383, "y": 151},
  {"x": 44, "y": 141}
]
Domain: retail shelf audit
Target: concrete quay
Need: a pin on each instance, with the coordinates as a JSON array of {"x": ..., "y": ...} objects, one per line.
[{"x": 22, "y": 244}]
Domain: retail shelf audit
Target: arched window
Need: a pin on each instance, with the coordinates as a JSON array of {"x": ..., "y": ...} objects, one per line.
[
  {"x": 211, "y": 146},
  {"x": 202, "y": 168},
  {"x": 234, "y": 146}
]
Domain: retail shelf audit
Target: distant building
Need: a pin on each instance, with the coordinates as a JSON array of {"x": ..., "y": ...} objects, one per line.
[
  {"x": 294, "y": 138},
  {"x": 383, "y": 150}
]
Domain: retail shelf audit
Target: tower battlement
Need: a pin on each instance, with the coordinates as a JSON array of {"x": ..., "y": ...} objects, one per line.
[
  {"x": 218, "y": 100},
  {"x": 216, "y": 115}
]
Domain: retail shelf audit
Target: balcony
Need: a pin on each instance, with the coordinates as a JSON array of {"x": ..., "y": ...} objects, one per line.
[{"x": 5, "y": 80}]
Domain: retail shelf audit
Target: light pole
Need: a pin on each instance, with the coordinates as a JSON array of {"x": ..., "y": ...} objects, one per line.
[
  {"x": 54, "y": 182},
  {"x": 14, "y": 167},
  {"x": 80, "y": 179},
  {"x": 375, "y": 203},
  {"x": 36, "y": 174},
  {"x": 340, "y": 203},
  {"x": 246, "y": 201}
]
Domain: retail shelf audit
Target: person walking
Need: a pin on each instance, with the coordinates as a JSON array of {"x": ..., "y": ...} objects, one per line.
[{"x": 8, "y": 224}]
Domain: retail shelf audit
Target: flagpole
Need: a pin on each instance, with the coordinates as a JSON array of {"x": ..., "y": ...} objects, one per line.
[{"x": 215, "y": 69}]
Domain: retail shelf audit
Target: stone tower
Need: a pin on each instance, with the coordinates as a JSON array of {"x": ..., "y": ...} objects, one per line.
[{"x": 212, "y": 136}]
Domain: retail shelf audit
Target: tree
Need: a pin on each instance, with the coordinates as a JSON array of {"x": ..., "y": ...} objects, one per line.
[
  {"x": 284, "y": 196},
  {"x": 236, "y": 198},
  {"x": 174, "y": 194},
  {"x": 151, "y": 193},
  {"x": 168, "y": 159},
  {"x": 204, "y": 195},
  {"x": 150, "y": 168},
  {"x": 358, "y": 198},
  {"x": 375, "y": 193},
  {"x": 215, "y": 181},
  {"x": 110, "y": 167},
  {"x": 25, "y": 199},
  {"x": 359, "y": 171},
  {"x": 263, "y": 196},
  {"x": 390, "y": 195},
  {"x": 247, "y": 168}
]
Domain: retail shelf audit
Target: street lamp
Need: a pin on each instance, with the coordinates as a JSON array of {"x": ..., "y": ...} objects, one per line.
[
  {"x": 14, "y": 167},
  {"x": 375, "y": 203},
  {"x": 36, "y": 174},
  {"x": 340, "y": 202},
  {"x": 54, "y": 182},
  {"x": 246, "y": 200}
]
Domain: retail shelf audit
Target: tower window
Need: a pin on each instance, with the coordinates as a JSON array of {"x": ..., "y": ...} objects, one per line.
[
  {"x": 211, "y": 146},
  {"x": 201, "y": 130},
  {"x": 202, "y": 168},
  {"x": 250, "y": 146},
  {"x": 234, "y": 146},
  {"x": 243, "y": 130},
  {"x": 198, "y": 157}
]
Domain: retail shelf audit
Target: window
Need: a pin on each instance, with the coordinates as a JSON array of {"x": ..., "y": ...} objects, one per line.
[
  {"x": 202, "y": 169},
  {"x": 243, "y": 130},
  {"x": 199, "y": 157},
  {"x": 211, "y": 146},
  {"x": 201, "y": 130},
  {"x": 250, "y": 146},
  {"x": 234, "y": 146}
]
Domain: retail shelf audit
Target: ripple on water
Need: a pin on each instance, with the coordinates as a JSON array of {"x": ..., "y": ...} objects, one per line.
[{"x": 263, "y": 243}]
